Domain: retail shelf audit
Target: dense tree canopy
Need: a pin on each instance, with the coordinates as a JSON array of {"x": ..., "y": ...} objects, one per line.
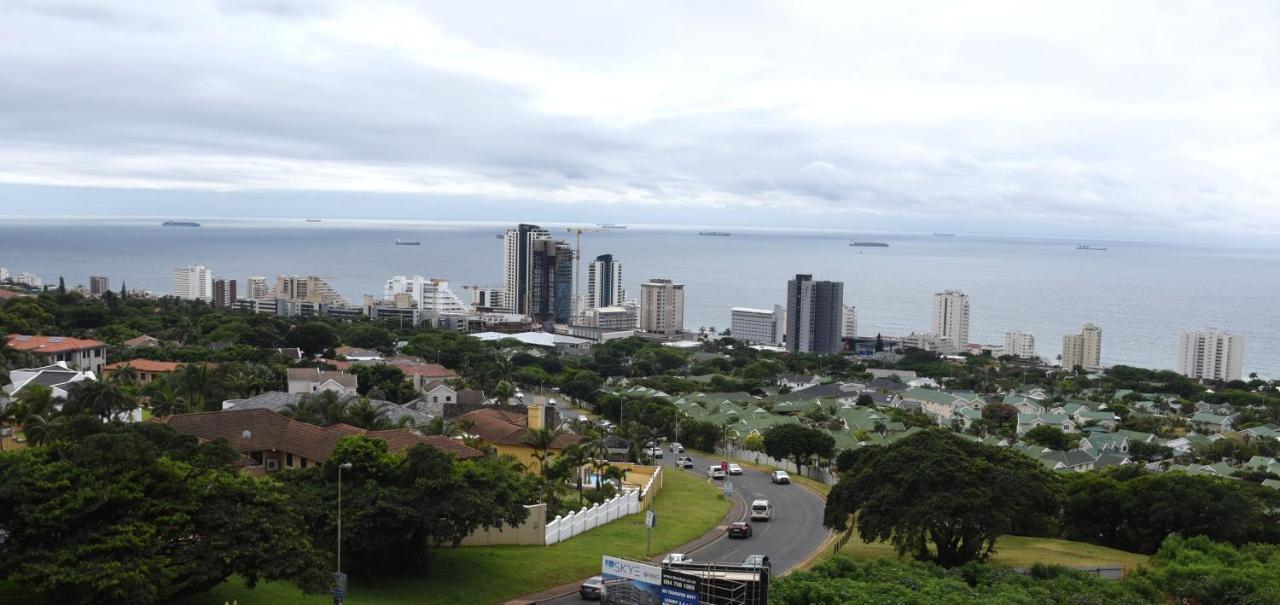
[
  {"x": 799, "y": 443},
  {"x": 936, "y": 496}
]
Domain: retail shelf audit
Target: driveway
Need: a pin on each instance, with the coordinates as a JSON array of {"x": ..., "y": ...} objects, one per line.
[{"x": 793, "y": 534}]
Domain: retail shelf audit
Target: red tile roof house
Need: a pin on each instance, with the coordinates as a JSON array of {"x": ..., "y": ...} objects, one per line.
[
  {"x": 273, "y": 442},
  {"x": 421, "y": 373},
  {"x": 78, "y": 353},
  {"x": 145, "y": 370}
]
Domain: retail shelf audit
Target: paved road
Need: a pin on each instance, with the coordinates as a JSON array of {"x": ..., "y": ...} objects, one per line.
[{"x": 789, "y": 538}]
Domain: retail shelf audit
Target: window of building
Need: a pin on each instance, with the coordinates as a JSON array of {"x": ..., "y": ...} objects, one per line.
[{"x": 288, "y": 460}]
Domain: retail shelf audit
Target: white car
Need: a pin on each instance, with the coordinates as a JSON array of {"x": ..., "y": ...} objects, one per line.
[
  {"x": 676, "y": 557},
  {"x": 780, "y": 477},
  {"x": 676, "y": 448},
  {"x": 715, "y": 472},
  {"x": 761, "y": 510},
  {"x": 734, "y": 469},
  {"x": 653, "y": 452}
]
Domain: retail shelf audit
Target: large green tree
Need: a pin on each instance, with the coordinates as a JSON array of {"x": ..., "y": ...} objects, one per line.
[
  {"x": 127, "y": 517},
  {"x": 799, "y": 443},
  {"x": 938, "y": 497}
]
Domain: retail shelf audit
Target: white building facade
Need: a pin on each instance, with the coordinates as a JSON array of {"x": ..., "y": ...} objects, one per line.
[
  {"x": 429, "y": 294},
  {"x": 610, "y": 318},
  {"x": 1211, "y": 354},
  {"x": 951, "y": 318},
  {"x": 1083, "y": 350},
  {"x": 850, "y": 321},
  {"x": 194, "y": 282},
  {"x": 604, "y": 283},
  {"x": 1020, "y": 344},
  {"x": 758, "y": 326},
  {"x": 258, "y": 288}
]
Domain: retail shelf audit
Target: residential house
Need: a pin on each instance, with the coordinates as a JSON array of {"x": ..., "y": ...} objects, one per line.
[
  {"x": 421, "y": 373},
  {"x": 77, "y": 353},
  {"x": 1100, "y": 418},
  {"x": 1098, "y": 443},
  {"x": 144, "y": 370},
  {"x": 1027, "y": 422},
  {"x": 940, "y": 405},
  {"x": 798, "y": 382},
  {"x": 1269, "y": 431},
  {"x": 58, "y": 377},
  {"x": 312, "y": 380},
  {"x": 271, "y": 442},
  {"x": 507, "y": 431},
  {"x": 438, "y": 397},
  {"x": 1213, "y": 424},
  {"x": 277, "y": 401},
  {"x": 887, "y": 386},
  {"x": 901, "y": 375},
  {"x": 142, "y": 342},
  {"x": 1074, "y": 460},
  {"x": 358, "y": 354},
  {"x": 291, "y": 353}
]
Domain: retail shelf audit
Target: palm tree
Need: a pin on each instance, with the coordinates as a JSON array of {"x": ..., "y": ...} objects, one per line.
[
  {"x": 576, "y": 456},
  {"x": 364, "y": 414},
  {"x": 8, "y": 417},
  {"x": 323, "y": 409},
  {"x": 541, "y": 440},
  {"x": 41, "y": 429},
  {"x": 197, "y": 382},
  {"x": 35, "y": 399},
  {"x": 504, "y": 392},
  {"x": 102, "y": 398},
  {"x": 164, "y": 399}
]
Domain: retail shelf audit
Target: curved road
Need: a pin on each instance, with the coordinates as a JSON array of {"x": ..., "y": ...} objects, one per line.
[{"x": 793, "y": 534}]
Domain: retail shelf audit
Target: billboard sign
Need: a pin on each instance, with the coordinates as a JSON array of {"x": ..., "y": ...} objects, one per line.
[
  {"x": 680, "y": 588},
  {"x": 640, "y": 582}
]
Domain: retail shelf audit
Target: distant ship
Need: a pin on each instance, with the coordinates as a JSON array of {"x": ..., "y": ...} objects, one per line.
[
  {"x": 313, "y": 220},
  {"x": 1088, "y": 247},
  {"x": 869, "y": 244},
  {"x": 719, "y": 233},
  {"x": 944, "y": 235},
  {"x": 611, "y": 226},
  {"x": 179, "y": 224},
  {"x": 401, "y": 242}
]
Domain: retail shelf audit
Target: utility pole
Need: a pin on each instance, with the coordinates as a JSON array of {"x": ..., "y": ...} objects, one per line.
[{"x": 340, "y": 579}]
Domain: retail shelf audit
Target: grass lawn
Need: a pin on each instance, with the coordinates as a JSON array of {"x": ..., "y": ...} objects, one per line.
[
  {"x": 1019, "y": 551},
  {"x": 687, "y": 507}
]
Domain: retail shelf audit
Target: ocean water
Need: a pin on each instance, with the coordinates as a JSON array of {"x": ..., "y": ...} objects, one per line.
[{"x": 1142, "y": 294}]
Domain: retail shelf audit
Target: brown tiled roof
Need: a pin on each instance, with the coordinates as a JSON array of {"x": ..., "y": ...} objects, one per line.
[
  {"x": 414, "y": 367},
  {"x": 509, "y": 428},
  {"x": 315, "y": 375},
  {"x": 7, "y": 294},
  {"x": 357, "y": 351},
  {"x": 143, "y": 340},
  {"x": 51, "y": 344},
  {"x": 144, "y": 365},
  {"x": 271, "y": 431}
]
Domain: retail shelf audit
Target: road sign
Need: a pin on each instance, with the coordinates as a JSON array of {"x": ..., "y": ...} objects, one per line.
[
  {"x": 724, "y": 466},
  {"x": 650, "y": 519},
  {"x": 728, "y": 488}
]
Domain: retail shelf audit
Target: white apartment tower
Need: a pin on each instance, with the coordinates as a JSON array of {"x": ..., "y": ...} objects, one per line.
[
  {"x": 1020, "y": 344},
  {"x": 4, "y": 274},
  {"x": 1083, "y": 350},
  {"x": 850, "y": 321},
  {"x": 194, "y": 282},
  {"x": 1211, "y": 354},
  {"x": 258, "y": 288},
  {"x": 516, "y": 265},
  {"x": 759, "y": 326},
  {"x": 951, "y": 318},
  {"x": 604, "y": 283},
  {"x": 429, "y": 294},
  {"x": 662, "y": 307}
]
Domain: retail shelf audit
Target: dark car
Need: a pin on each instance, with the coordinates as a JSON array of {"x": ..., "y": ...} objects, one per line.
[
  {"x": 758, "y": 561},
  {"x": 592, "y": 589},
  {"x": 740, "y": 529}
]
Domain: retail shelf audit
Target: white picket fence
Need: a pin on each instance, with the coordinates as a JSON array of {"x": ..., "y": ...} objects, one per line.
[{"x": 629, "y": 502}]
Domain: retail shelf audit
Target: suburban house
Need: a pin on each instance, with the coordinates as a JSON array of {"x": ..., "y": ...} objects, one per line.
[
  {"x": 507, "y": 431},
  {"x": 421, "y": 373},
  {"x": 58, "y": 377},
  {"x": 1098, "y": 443},
  {"x": 1027, "y": 422},
  {"x": 313, "y": 380},
  {"x": 142, "y": 342},
  {"x": 276, "y": 401},
  {"x": 901, "y": 375},
  {"x": 272, "y": 442},
  {"x": 358, "y": 354},
  {"x": 1074, "y": 460},
  {"x": 76, "y": 353},
  {"x": 291, "y": 353},
  {"x": 1213, "y": 424},
  {"x": 798, "y": 382},
  {"x": 145, "y": 370},
  {"x": 940, "y": 405}
]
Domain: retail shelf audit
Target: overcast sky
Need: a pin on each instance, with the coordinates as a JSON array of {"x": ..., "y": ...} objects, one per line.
[{"x": 1049, "y": 117}]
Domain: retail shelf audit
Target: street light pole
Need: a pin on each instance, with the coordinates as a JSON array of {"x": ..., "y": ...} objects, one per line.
[{"x": 339, "y": 578}]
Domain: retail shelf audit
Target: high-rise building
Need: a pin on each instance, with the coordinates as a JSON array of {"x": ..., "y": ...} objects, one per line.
[
  {"x": 1211, "y": 354},
  {"x": 29, "y": 279},
  {"x": 488, "y": 298},
  {"x": 311, "y": 289},
  {"x": 1083, "y": 350},
  {"x": 604, "y": 283},
  {"x": 815, "y": 315},
  {"x": 258, "y": 288},
  {"x": 98, "y": 285},
  {"x": 224, "y": 292},
  {"x": 4, "y": 274},
  {"x": 516, "y": 266},
  {"x": 850, "y": 322},
  {"x": 951, "y": 318},
  {"x": 760, "y": 326},
  {"x": 610, "y": 318},
  {"x": 194, "y": 282},
  {"x": 1020, "y": 344},
  {"x": 550, "y": 282},
  {"x": 429, "y": 294},
  {"x": 662, "y": 306}
]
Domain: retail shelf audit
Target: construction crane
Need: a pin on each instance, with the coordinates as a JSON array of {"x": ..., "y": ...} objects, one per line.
[{"x": 577, "y": 260}]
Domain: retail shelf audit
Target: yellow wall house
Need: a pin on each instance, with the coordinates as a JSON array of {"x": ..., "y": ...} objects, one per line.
[{"x": 507, "y": 432}]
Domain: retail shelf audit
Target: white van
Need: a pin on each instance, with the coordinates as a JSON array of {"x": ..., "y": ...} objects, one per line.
[{"x": 761, "y": 510}]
